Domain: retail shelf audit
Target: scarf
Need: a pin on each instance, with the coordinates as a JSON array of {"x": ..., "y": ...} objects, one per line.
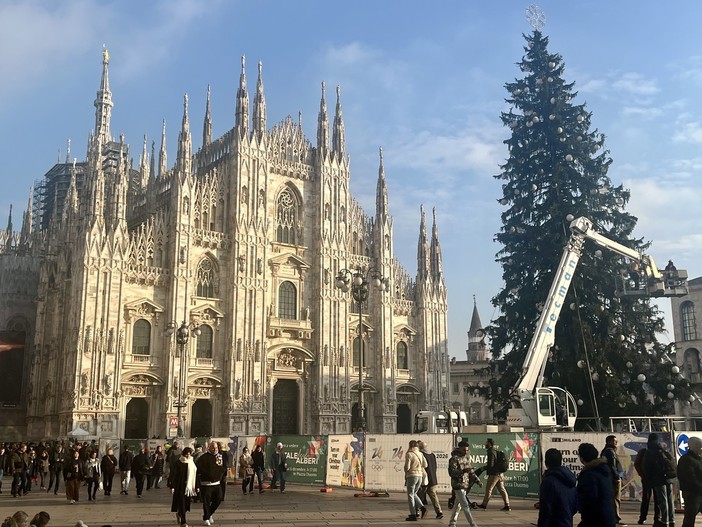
[{"x": 190, "y": 480}]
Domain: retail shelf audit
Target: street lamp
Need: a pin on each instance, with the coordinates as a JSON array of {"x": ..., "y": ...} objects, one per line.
[
  {"x": 182, "y": 337},
  {"x": 358, "y": 282}
]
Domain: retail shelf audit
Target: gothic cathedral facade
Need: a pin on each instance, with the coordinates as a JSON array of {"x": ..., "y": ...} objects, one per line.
[{"x": 207, "y": 291}]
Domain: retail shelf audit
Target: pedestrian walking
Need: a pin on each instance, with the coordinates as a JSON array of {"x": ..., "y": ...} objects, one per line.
[
  {"x": 610, "y": 454},
  {"x": 183, "y": 482},
  {"x": 429, "y": 490},
  {"x": 91, "y": 474},
  {"x": 57, "y": 460},
  {"x": 461, "y": 474},
  {"x": 495, "y": 469},
  {"x": 227, "y": 463},
  {"x": 125, "y": 469},
  {"x": 661, "y": 470},
  {"x": 43, "y": 468},
  {"x": 279, "y": 465},
  {"x": 140, "y": 469},
  {"x": 558, "y": 499},
  {"x": 415, "y": 469},
  {"x": 108, "y": 467},
  {"x": 73, "y": 475},
  {"x": 159, "y": 463},
  {"x": 690, "y": 479},
  {"x": 246, "y": 471},
  {"x": 646, "y": 490},
  {"x": 259, "y": 464},
  {"x": 19, "y": 461},
  {"x": 594, "y": 488},
  {"x": 210, "y": 471}
]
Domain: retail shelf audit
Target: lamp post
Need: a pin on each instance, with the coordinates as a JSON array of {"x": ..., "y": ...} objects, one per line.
[
  {"x": 182, "y": 337},
  {"x": 358, "y": 282}
]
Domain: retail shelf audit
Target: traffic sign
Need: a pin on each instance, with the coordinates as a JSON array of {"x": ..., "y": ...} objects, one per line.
[
  {"x": 683, "y": 444},
  {"x": 172, "y": 422}
]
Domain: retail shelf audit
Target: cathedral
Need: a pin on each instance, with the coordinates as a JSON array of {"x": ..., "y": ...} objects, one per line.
[{"x": 204, "y": 298}]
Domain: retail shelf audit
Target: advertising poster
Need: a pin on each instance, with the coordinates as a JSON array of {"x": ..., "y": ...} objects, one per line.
[
  {"x": 522, "y": 450},
  {"x": 628, "y": 445},
  {"x": 307, "y": 457},
  {"x": 345, "y": 461}
]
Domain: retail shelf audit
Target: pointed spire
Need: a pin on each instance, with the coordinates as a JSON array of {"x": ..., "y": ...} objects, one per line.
[
  {"x": 162, "y": 156},
  {"x": 144, "y": 165},
  {"x": 185, "y": 143},
  {"x": 9, "y": 222},
  {"x": 103, "y": 102},
  {"x": 422, "y": 256},
  {"x": 27, "y": 219},
  {"x": 68, "y": 151},
  {"x": 242, "y": 102},
  {"x": 259, "y": 116},
  {"x": 475, "y": 323},
  {"x": 207, "y": 127},
  {"x": 323, "y": 125},
  {"x": 338, "y": 140},
  {"x": 70, "y": 204},
  {"x": 152, "y": 168},
  {"x": 381, "y": 193},
  {"x": 435, "y": 251}
]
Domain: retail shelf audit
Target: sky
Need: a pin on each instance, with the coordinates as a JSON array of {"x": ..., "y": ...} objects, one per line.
[{"x": 425, "y": 83}]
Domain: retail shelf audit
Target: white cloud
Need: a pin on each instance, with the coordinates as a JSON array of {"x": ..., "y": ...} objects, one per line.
[
  {"x": 690, "y": 132},
  {"x": 634, "y": 83},
  {"x": 642, "y": 111}
]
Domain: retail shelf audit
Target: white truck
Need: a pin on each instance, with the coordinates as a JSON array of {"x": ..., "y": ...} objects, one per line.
[{"x": 537, "y": 407}]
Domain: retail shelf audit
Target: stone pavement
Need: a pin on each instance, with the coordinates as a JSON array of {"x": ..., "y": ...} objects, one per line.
[{"x": 299, "y": 506}]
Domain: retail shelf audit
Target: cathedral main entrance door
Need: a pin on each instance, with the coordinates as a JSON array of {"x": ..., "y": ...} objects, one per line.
[
  {"x": 201, "y": 425},
  {"x": 136, "y": 419},
  {"x": 404, "y": 419},
  {"x": 285, "y": 403}
]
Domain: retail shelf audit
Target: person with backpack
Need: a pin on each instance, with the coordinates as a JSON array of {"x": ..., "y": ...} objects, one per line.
[
  {"x": 690, "y": 478},
  {"x": 646, "y": 490},
  {"x": 609, "y": 453},
  {"x": 496, "y": 466},
  {"x": 461, "y": 474},
  {"x": 660, "y": 470}
]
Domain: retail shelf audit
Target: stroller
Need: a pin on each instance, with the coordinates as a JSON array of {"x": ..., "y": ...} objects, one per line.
[{"x": 473, "y": 480}]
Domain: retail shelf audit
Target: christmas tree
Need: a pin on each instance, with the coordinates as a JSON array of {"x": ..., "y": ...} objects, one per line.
[{"x": 606, "y": 352}]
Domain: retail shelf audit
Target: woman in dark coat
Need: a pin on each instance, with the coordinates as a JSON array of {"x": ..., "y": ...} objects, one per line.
[
  {"x": 73, "y": 475},
  {"x": 159, "y": 461},
  {"x": 183, "y": 485},
  {"x": 108, "y": 466},
  {"x": 259, "y": 464}
]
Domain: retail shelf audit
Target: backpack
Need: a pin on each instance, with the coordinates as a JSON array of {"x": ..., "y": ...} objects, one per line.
[
  {"x": 669, "y": 468},
  {"x": 639, "y": 462},
  {"x": 501, "y": 461}
]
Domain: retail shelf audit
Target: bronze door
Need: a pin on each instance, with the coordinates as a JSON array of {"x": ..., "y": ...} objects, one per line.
[{"x": 285, "y": 407}]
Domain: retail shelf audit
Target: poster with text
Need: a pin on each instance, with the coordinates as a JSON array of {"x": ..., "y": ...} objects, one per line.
[
  {"x": 345, "y": 461},
  {"x": 307, "y": 457}
]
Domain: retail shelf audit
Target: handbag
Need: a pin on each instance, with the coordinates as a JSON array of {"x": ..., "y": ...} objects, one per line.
[{"x": 249, "y": 471}]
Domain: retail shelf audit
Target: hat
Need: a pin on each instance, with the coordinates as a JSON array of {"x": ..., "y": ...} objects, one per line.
[
  {"x": 695, "y": 444},
  {"x": 463, "y": 444},
  {"x": 279, "y": 445}
]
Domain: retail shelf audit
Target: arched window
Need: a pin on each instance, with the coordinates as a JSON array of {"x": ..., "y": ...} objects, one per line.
[
  {"x": 287, "y": 301},
  {"x": 206, "y": 278},
  {"x": 141, "y": 340},
  {"x": 692, "y": 360},
  {"x": 688, "y": 322},
  {"x": 287, "y": 216},
  {"x": 402, "y": 359},
  {"x": 356, "y": 350},
  {"x": 204, "y": 342}
]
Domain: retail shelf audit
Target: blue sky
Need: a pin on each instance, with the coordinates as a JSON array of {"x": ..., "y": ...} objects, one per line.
[{"x": 425, "y": 83}]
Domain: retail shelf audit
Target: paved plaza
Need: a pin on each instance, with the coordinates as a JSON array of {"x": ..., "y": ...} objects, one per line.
[{"x": 301, "y": 505}]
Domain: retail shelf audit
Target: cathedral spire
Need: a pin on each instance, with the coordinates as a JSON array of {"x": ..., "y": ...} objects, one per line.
[
  {"x": 144, "y": 165},
  {"x": 242, "y": 102},
  {"x": 381, "y": 193},
  {"x": 338, "y": 140},
  {"x": 152, "y": 168},
  {"x": 103, "y": 102},
  {"x": 475, "y": 323},
  {"x": 323, "y": 125},
  {"x": 70, "y": 204},
  {"x": 27, "y": 219},
  {"x": 422, "y": 256},
  {"x": 162, "y": 156},
  {"x": 435, "y": 252},
  {"x": 259, "y": 116},
  {"x": 9, "y": 222},
  {"x": 68, "y": 151},
  {"x": 207, "y": 127},
  {"x": 185, "y": 144}
]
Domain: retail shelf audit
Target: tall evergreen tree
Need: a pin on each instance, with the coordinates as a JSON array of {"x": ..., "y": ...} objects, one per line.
[{"x": 557, "y": 170}]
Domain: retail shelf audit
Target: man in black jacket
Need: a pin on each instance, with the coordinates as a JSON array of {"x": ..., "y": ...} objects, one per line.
[
  {"x": 495, "y": 478},
  {"x": 140, "y": 468},
  {"x": 658, "y": 464},
  {"x": 594, "y": 489},
  {"x": 57, "y": 458},
  {"x": 125, "y": 469},
  {"x": 690, "y": 479},
  {"x": 610, "y": 454},
  {"x": 210, "y": 471}
]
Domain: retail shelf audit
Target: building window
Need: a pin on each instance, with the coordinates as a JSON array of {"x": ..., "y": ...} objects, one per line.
[
  {"x": 141, "y": 340},
  {"x": 402, "y": 360},
  {"x": 687, "y": 318},
  {"x": 287, "y": 301},
  {"x": 206, "y": 278},
  {"x": 692, "y": 360},
  {"x": 475, "y": 412},
  {"x": 204, "y": 342},
  {"x": 356, "y": 351},
  {"x": 287, "y": 217},
  {"x": 455, "y": 387}
]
